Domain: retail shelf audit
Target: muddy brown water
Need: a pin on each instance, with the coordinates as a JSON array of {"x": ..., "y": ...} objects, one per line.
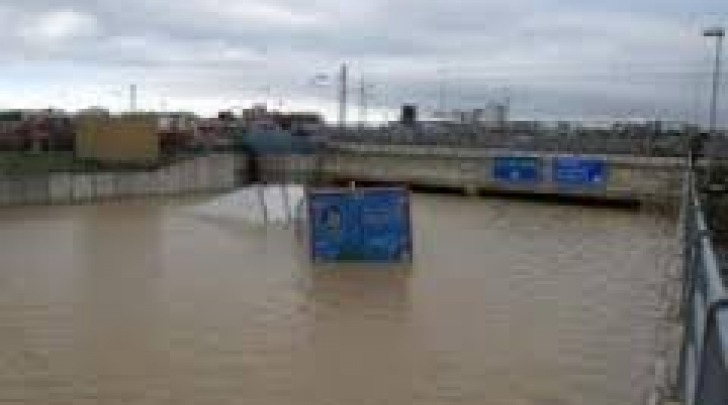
[{"x": 507, "y": 302}]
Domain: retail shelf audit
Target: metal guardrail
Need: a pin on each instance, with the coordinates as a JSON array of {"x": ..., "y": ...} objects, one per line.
[
  {"x": 703, "y": 369},
  {"x": 594, "y": 142},
  {"x": 604, "y": 142}
]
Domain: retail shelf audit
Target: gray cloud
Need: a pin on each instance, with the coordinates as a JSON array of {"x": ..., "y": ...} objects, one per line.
[{"x": 556, "y": 58}]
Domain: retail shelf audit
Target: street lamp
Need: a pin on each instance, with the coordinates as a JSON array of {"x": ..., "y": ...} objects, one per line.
[{"x": 718, "y": 33}]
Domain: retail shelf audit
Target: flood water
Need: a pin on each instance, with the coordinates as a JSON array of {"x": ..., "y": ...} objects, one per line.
[{"x": 508, "y": 302}]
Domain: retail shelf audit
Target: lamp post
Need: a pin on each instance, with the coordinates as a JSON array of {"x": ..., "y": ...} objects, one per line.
[{"x": 718, "y": 33}]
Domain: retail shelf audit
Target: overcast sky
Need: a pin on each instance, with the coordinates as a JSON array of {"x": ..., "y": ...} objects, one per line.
[{"x": 554, "y": 59}]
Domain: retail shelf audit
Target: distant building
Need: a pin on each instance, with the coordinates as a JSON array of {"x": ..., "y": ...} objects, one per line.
[
  {"x": 11, "y": 122},
  {"x": 218, "y": 132},
  {"x": 496, "y": 116},
  {"x": 522, "y": 126},
  {"x": 408, "y": 115},
  {"x": 94, "y": 112},
  {"x": 257, "y": 112},
  {"x": 122, "y": 139},
  {"x": 24, "y": 130},
  {"x": 260, "y": 119},
  {"x": 301, "y": 122},
  {"x": 176, "y": 131}
]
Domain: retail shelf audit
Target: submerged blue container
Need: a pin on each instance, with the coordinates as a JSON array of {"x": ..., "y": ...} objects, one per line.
[{"x": 359, "y": 225}]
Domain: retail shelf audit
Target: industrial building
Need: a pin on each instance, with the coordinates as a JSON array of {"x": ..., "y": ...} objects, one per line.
[
  {"x": 35, "y": 130},
  {"x": 259, "y": 118},
  {"x": 121, "y": 139}
]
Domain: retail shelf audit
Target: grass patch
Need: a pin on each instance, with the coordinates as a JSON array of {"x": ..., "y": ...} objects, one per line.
[
  {"x": 34, "y": 163},
  {"x": 64, "y": 162}
]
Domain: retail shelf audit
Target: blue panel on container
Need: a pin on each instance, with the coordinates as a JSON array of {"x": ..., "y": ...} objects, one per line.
[
  {"x": 572, "y": 171},
  {"x": 517, "y": 169},
  {"x": 368, "y": 225},
  {"x": 328, "y": 214}
]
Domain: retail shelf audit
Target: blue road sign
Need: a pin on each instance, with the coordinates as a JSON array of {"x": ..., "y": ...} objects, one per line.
[
  {"x": 510, "y": 169},
  {"x": 578, "y": 172},
  {"x": 366, "y": 225}
]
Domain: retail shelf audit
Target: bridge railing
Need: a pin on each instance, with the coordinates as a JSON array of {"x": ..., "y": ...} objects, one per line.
[
  {"x": 703, "y": 370},
  {"x": 595, "y": 142}
]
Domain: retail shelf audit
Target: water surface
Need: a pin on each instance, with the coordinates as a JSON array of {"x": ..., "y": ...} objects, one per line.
[{"x": 508, "y": 302}]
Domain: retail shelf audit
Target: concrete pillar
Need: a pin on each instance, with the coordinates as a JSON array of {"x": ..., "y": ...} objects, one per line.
[{"x": 471, "y": 190}]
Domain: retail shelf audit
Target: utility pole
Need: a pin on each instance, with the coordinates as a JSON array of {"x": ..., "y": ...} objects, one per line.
[
  {"x": 133, "y": 98},
  {"x": 442, "y": 104},
  {"x": 343, "y": 93},
  {"x": 363, "y": 103}
]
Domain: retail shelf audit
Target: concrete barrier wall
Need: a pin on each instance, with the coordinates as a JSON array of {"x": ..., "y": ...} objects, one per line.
[
  {"x": 288, "y": 168},
  {"x": 629, "y": 177},
  {"x": 203, "y": 174},
  {"x": 60, "y": 188}
]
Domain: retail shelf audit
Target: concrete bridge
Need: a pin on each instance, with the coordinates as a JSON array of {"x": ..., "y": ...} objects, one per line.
[{"x": 634, "y": 178}]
